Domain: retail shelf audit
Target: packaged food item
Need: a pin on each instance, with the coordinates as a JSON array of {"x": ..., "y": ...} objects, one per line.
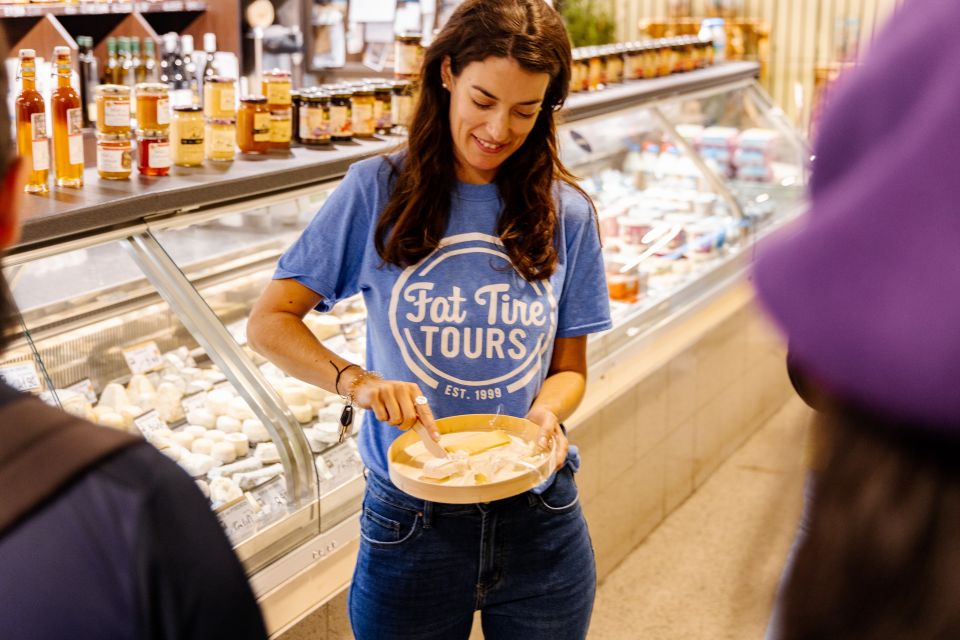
[
  {"x": 341, "y": 114},
  {"x": 276, "y": 87},
  {"x": 114, "y": 156},
  {"x": 315, "y": 119},
  {"x": 219, "y": 97},
  {"x": 364, "y": 111},
  {"x": 153, "y": 106},
  {"x": 253, "y": 125},
  {"x": 220, "y": 138},
  {"x": 67, "y": 123},
  {"x": 382, "y": 109},
  {"x": 153, "y": 152},
  {"x": 33, "y": 145},
  {"x": 408, "y": 56},
  {"x": 113, "y": 109},
  {"x": 401, "y": 106},
  {"x": 186, "y": 132}
]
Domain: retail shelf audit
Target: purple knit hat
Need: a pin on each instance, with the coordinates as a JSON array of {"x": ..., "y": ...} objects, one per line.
[{"x": 867, "y": 286}]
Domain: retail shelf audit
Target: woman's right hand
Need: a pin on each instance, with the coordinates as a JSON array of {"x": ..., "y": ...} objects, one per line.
[{"x": 395, "y": 402}]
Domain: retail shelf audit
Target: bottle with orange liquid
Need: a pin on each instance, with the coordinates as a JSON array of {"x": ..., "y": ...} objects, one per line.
[
  {"x": 33, "y": 146},
  {"x": 67, "y": 123}
]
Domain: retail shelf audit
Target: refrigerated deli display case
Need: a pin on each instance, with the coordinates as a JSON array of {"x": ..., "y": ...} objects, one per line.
[{"x": 134, "y": 299}]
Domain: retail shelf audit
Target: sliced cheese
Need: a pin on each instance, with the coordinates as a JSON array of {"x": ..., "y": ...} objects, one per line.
[{"x": 481, "y": 442}]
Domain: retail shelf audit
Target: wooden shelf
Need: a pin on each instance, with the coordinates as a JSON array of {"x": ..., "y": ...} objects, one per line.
[{"x": 37, "y": 9}]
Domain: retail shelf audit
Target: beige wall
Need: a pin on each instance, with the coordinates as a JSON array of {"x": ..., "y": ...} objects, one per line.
[{"x": 803, "y": 35}]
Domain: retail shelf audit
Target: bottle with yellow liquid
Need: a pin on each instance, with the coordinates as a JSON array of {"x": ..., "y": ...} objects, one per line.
[
  {"x": 67, "y": 123},
  {"x": 33, "y": 146}
]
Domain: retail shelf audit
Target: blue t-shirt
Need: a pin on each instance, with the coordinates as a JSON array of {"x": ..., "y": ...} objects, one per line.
[{"x": 462, "y": 323}]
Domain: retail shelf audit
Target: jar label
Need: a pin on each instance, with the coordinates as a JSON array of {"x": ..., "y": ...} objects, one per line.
[
  {"x": 341, "y": 124},
  {"x": 75, "y": 148},
  {"x": 228, "y": 99},
  {"x": 281, "y": 127},
  {"x": 408, "y": 58},
  {"x": 278, "y": 93},
  {"x": 317, "y": 124},
  {"x": 114, "y": 159},
  {"x": 189, "y": 131},
  {"x": 261, "y": 127},
  {"x": 220, "y": 141},
  {"x": 158, "y": 155},
  {"x": 116, "y": 113},
  {"x": 163, "y": 111},
  {"x": 363, "y": 122}
]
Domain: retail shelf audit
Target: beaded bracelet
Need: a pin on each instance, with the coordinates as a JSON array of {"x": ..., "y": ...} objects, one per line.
[{"x": 346, "y": 416}]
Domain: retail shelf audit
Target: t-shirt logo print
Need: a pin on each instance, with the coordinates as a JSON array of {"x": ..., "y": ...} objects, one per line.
[{"x": 464, "y": 318}]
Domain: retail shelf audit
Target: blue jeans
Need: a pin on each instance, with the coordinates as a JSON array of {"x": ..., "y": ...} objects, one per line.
[{"x": 423, "y": 568}]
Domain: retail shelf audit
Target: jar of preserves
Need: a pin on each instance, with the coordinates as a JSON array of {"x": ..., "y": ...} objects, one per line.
[
  {"x": 401, "y": 106},
  {"x": 153, "y": 106},
  {"x": 614, "y": 67},
  {"x": 186, "y": 136},
  {"x": 276, "y": 86},
  {"x": 153, "y": 152},
  {"x": 296, "y": 101},
  {"x": 364, "y": 111},
  {"x": 281, "y": 128},
  {"x": 220, "y": 140},
  {"x": 253, "y": 125},
  {"x": 596, "y": 63},
  {"x": 381, "y": 110},
  {"x": 408, "y": 56},
  {"x": 341, "y": 114},
  {"x": 315, "y": 119},
  {"x": 665, "y": 58},
  {"x": 114, "y": 156},
  {"x": 220, "y": 97},
  {"x": 113, "y": 109}
]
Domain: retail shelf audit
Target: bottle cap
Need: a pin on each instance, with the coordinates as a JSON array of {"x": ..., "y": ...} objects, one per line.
[
  {"x": 210, "y": 42},
  {"x": 61, "y": 51},
  {"x": 28, "y": 53},
  {"x": 186, "y": 43}
]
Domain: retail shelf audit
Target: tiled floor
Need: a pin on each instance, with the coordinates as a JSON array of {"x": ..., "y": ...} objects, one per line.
[{"x": 710, "y": 569}]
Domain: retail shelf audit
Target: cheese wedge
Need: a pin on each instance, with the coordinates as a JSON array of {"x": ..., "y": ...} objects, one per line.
[{"x": 481, "y": 442}]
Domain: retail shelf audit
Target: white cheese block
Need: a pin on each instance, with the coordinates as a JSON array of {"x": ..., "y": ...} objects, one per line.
[
  {"x": 329, "y": 431},
  {"x": 139, "y": 384},
  {"x": 216, "y": 435},
  {"x": 218, "y": 402},
  {"x": 202, "y": 417},
  {"x": 168, "y": 402},
  {"x": 76, "y": 404},
  {"x": 331, "y": 413},
  {"x": 240, "y": 410},
  {"x": 112, "y": 420},
  {"x": 240, "y": 466},
  {"x": 302, "y": 412},
  {"x": 197, "y": 430},
  {"x": 251, "y": 479},
  {"x": 114, "y": 395},
  {"x": 228, "y": 424},
  {"x": 129, "y": 413},
  {"x": 184, "y": 439},
  {"x": 316, "y": 441},
  {"x": 202, "y": 445},
  {"x": 267, "y": 452},
  {"x": 223, "y": 452},
  {"x": 255, "y": 431},
  {"x": 147, "y": 401},
  {"x": 240, "y": 442},
  {"x": 177, "y": 381},
  {"x": 159, "y": 436},
  {"x": 196, "y": 464},
  {"x": 294, "y": 394},
  {"x": 439, "y": 468},
  {"x": 173, "y": 452},
  {"x": 224, "y": 490}
]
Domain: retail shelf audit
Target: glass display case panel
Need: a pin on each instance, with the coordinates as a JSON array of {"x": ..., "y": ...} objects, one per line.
[
  {"x": 111, "y": 350},
  {"x": 747, "y": 145},
  {"x": 230, "y": 257},
  {"x": 663, "y": 221}
]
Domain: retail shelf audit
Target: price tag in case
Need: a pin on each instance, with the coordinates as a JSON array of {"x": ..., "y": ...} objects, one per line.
[
  {"x": 85, "y": 388},
  {"x": 22, "y": 376},
  {"x": 149, "y": 422},
  {"x": 194, "y": 401},
  {"x": 239, "y": 519},
  {"x": 143, "y": 358}
]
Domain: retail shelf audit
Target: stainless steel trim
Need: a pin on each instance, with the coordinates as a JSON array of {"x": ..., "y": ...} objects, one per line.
[{"x": 75, "y": 244}]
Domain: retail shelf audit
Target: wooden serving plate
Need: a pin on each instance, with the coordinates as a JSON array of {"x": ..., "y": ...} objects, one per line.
[{"x": 406, "y": 469}]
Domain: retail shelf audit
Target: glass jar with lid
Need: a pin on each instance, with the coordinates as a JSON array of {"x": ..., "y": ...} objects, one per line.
[
  {"x": 276, "y": 86},
  {"x": 381, "y": 110},
  {"x": 364, "y": 111},
  {"x": 153, "y": 106},
  {"x": 296, "y": 100},
  {"x": 220, "y": 97},
  {"x": 253, "y": 125},
  {"x": 341, "y": 114},
  {"x": 113, "y": 109},
  {"x": 186, "y": 136},
  {"x": 407, "y": 55},
  {"x": 614, "y": 66},
  {"x": 401, "y": 106},
  {"x": 114, "y": 155},
  {"x": 315, "y": 119},
  {"x": 153, "y": 152},
  {"x": 281, "y": 128},
  {"x": 220, "y": 139}
]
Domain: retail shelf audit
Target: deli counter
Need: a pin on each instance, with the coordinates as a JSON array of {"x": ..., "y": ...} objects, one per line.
[{"x": 134, "y": 298}]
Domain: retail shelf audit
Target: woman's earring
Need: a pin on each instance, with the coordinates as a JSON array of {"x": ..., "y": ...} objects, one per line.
[{"x": 445, "y": 86}]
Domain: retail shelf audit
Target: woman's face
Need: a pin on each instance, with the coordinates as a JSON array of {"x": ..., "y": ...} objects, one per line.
[{"x": 494, "y": 104}]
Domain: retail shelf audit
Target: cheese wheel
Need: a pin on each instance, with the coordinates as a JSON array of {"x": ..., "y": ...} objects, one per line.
[
  {"x": 240, "y": 442},
  {"x": 294, "y": 394},
  {"x": 218, "y": 402},
  {"x": 174, "y": 452},
  {"x": 184, "y": 439},
  {"x": 196, "y": 430},
  {"x": 114, "y": 395},
  {"x": 240, "y": 410},
  {"x": 223, "y": 490},
  {"x": 302, "y": 412},
  {"x": 255, "y": 431},
  {"x": 139, "y": 384},
  {"x": 223, "y": 452},
  {"x": 147, "y": 401},
  {"x": 228, "y": 424},
  {"x": 168, "y": 402},
  {"x": 196, "y": 464},
  {"x": 112, "y": 420},
  {"x": 202, "y": 445},
  {"x": 267, "y": 452},
  {"x": 202, "y": 417},
  {"x": 216, "y": 435}
]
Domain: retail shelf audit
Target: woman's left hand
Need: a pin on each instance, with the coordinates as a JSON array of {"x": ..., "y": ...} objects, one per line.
[{"x": 550, "y": 431}]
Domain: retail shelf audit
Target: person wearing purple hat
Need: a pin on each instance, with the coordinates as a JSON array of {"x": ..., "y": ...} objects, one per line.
[{"x": 867, "y": 292}]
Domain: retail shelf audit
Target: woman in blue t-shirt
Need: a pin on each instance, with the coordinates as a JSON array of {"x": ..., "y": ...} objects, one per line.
[{"x": 479, "y": 261}]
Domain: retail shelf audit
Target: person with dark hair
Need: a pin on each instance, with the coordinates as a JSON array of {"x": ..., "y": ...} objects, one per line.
[
  {"x": 866, "y": 292},
  {"x": 101, "y": 535},
  {"x": 479, "y": 262}
]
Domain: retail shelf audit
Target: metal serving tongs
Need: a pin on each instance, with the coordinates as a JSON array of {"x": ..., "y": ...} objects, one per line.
[{"x": 429, "y": 443}]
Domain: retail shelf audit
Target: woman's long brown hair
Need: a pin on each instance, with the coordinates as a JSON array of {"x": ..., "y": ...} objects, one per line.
[{"x": 416, "y": 216}]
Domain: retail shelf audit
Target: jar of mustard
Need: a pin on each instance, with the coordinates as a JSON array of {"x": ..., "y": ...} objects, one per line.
[
  {"x": 220, "y": 97},
  {"x": 186, "y": 136},
  {"x": 219, "y": 139}
]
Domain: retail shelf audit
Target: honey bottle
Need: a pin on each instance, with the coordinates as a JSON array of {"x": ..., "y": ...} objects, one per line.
[
  {"x": 67, "y": 124},
  {"x": 32, "y": 143}
]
